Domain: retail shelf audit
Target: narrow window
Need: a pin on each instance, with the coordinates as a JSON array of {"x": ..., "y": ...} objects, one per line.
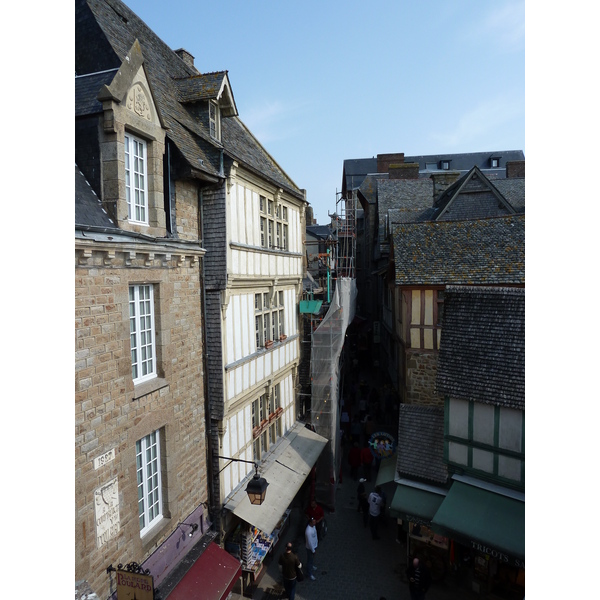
[
  {"x": 142, "y": 335},
  {"x": 149, "y": 481},
  {"x": 136, "y": 184},
  {"x": 215, "y": 120}
]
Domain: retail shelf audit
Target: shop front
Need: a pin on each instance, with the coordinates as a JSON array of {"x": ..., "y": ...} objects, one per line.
[
  {"x": 487, "y": 526},
  {"x": 414, "y": 505},
  {"x": 257, "y": 529}
]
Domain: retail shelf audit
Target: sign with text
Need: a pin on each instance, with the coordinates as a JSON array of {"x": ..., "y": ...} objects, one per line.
[
  {"x": 134, "y": 585},
  {"x": 106, "y": 511}
]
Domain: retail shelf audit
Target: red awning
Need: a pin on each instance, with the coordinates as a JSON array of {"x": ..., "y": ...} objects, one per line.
[{"x": 211, "y": 577}]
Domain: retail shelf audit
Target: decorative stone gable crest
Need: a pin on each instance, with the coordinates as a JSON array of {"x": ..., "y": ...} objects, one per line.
[{"x": 138, "y": 102}]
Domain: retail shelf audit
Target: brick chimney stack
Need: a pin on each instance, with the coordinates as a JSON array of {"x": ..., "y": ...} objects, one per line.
[
  {"x": 442, "y": 181},
  {"x": 385, "y": 160},
  {"x": 404, "y": 171},
  {"x": 515, "y": 169}
]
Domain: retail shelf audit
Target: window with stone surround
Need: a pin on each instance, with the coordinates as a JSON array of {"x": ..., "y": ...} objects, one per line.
[
  {"x": 136, "y": 179},
  {"x": 149, "y": 481},
  {"x": 142, "y": 333}
]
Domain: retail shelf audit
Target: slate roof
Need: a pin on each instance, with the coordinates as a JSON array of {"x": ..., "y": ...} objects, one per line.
[
  {"x": 88, "y": 209},
  {"x": 472, "y": 196},
  {"x": 514, "y": 191},
  {"x": 355, "y": 170},
  {"x": 482, "y": 252},
  {"x": 421, "y": 442},
  {"x": 204, "y": 86},
  {"x": 482, "y": 350},
  {"x": 86, "y": 91},
  {"x": 319, "y": 231},
  {"x": 368, "y": 188},
  {"x": 464, "y": 161},
  {"x": 114, "y": 28}
]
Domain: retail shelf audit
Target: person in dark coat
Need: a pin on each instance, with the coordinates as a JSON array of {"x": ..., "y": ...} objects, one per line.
[
  {"x": 354, "y": 460},
  {"x": 419, "y": 580}
]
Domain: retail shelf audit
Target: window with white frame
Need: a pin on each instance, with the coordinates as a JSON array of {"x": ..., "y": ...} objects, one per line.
[
  {"x": 269, "y": 319},
  {"x": 148, "y": 468},
  {"x": 274, "y": 228},
  {"x": 136, "y": 179},
  {"x": 214, "y": 117},
  {"x": 142, "y": 334}
]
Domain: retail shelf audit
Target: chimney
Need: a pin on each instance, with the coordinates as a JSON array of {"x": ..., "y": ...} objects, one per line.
[
  {"x": 187, "y": 58},
  {"x": 515, "y": 169},
  {"x": 385, "y": 160},
  {"x": 442, "y": 181},
  {"x": 404, "y": 171}
]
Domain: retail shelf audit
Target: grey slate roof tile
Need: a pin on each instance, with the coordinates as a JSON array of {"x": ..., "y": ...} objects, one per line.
[
  {"x": 482, "y": 252},
  {"x": 421, "y": 442},
  {"x": 88, "y": 209},
  {"x": 482, "y": 350},
  {"x": 86, "y": 91}
]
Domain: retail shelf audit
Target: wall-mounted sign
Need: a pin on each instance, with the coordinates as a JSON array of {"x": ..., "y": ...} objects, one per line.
[
  {"x": 136, "y": 586},
  {"x": 106, "y": 511},
  {"x": 382, "y": 444},
  {"x": 105, "y": 458}
]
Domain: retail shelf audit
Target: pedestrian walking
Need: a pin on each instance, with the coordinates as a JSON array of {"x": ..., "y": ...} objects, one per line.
[
  {"x": 363, "y": 503},
  {"x": 289, "y": 569},
  {"x": 375, "y": 504},
  {"x": 419, "y": 580},
  {"x": 312, "y": 541}
]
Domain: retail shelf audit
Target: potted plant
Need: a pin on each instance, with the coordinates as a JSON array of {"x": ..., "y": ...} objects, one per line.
[
  {"x": 282, "y": 337},
  {"x": 268, "y": 343}
]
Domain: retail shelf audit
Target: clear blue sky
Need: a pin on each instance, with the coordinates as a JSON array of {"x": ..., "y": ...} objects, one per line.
[{"x": 318, "y": 82}]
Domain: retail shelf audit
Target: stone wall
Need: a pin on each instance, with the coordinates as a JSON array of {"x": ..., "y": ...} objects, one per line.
[
  {"x": 421, "y": 373},
  {"x": 111, "y": 414}
]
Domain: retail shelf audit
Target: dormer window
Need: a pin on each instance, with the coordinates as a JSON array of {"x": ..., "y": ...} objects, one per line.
[
  {"x": 136, "y": 180},
  {"x": 214, "y": 117},
  {"x": 494, "y": 162},
  {"x": 445, "y": 165}
]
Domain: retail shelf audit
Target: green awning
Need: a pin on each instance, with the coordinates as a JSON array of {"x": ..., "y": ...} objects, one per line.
[
  {"x": 483, "y": 516},
  {"x": 310, "y": 306},
  {"x": 410, "y": 501},
  {"x": 387, "y": 470}
]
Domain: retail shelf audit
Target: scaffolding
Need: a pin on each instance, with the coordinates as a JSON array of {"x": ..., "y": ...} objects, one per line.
[{"x": 327, "y": 343}]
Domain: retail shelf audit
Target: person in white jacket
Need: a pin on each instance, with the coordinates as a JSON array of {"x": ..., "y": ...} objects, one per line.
[{"x": 312, "y": 541}]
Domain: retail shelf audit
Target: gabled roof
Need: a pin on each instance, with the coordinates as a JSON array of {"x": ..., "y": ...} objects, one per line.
[
  {"x": 105, "y": 32},
  {"x": 473, "y": 196},
  {"x": 482, "y": 252},
  {"x": 482, "y": 351},
  {"x": 208, "y": 86},
  {"x": 367, "y": 192},
  {"x": 421, "y": 442},
  {"x": 88, "y": 208}
]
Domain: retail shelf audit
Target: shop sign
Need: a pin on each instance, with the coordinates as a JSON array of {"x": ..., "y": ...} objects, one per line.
[
  {"x": 501, "y": 556},
  {"x": 106, "y": 511},
  {"x": 134, "y": 585},
  {"x": 382, "y": 444}
]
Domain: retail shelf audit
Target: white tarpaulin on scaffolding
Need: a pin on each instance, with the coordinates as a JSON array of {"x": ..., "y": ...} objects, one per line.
[{"x": 327, "y": 343}]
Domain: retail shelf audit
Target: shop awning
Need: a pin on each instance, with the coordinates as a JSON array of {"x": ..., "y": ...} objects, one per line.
[
  {"x": 481, "y": 515},
  {"x": 211, "y": 577},
  {"x": 387, "y": 470},
  {"x": 285, "y": 470},
  {"x": 410, "y": 501}
]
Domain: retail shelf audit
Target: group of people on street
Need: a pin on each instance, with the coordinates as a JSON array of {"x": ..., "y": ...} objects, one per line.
[{"x": 360, "y": 458}]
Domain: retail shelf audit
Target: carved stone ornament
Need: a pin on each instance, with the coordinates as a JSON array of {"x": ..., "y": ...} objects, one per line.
[{"x": 138, "y": 103}]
